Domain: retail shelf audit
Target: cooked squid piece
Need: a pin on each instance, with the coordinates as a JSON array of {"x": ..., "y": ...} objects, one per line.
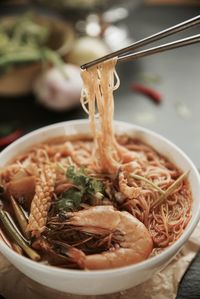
[{"x": 45, "y": 183}]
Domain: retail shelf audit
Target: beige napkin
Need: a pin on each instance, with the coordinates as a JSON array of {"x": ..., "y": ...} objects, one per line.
[{"x": 164, "y": 285}]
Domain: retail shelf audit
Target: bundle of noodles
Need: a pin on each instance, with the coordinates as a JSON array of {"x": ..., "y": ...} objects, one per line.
[{"x": 98, "y": 89}]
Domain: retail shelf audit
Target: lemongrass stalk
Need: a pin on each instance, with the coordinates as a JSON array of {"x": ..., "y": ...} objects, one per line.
[
  {"x": 17, "y": 238},
  {"x": 21, "y": 219},
  {"x": 17, "y": 248},
  {"x": 138, "y": 177},
  {"x": 170, "y": 190},
  {"x": 4, "y": 238}
]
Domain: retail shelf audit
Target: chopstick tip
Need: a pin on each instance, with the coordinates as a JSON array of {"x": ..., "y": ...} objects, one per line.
[{"x": 83, "y": 66}]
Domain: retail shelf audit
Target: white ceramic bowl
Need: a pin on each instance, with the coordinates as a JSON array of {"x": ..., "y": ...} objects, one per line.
[{"x": 113, "y": 280}]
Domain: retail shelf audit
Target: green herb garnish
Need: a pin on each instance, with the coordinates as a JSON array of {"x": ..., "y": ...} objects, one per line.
[
  {"x": 83, "y": 181},
  {"x": 85, "y": 186},
  {"x": 69, "y": 200}
]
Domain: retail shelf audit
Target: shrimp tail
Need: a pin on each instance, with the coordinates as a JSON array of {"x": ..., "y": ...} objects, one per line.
[{"x": 77, "y": 256}]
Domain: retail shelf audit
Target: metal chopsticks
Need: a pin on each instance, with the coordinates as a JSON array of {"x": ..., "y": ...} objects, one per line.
[
  {"x": 126, "y": 54},
  {"x": 173, "y": 45}
]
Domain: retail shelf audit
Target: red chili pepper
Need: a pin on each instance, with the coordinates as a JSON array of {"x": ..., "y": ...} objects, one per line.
[
  {"x": 10, "y": 138},
  {"x": 147, "y": 91}
]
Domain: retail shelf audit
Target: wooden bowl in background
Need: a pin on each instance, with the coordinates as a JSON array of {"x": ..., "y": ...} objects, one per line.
[{"x": 19, "y": 79}]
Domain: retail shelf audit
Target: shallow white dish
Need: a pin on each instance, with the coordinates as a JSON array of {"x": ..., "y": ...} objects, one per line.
[{"x": 113, "y": 280}]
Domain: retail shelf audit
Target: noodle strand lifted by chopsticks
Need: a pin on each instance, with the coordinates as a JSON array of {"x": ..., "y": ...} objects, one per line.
[{"x": 98, "y": 94}]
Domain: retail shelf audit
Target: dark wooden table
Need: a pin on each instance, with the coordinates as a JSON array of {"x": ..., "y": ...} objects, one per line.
[{"x": 176, "y": 76}]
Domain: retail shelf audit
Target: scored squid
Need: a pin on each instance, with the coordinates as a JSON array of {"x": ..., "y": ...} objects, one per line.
[{"x": 45, "y": 181}]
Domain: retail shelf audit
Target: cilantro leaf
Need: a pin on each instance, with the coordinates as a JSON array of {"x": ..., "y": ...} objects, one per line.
[
  {"x": 69, "y": 200},
  {"x": 83, "y": 181},
  {"x": 86, "y": 186},
  {"x": 95, "y": 186}
]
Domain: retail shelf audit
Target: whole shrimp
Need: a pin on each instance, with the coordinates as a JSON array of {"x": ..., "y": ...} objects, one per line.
[{"x": 135, "y": 246}]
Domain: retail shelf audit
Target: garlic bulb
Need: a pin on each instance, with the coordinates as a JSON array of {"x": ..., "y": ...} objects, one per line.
[
  {"x": 86, "y": 49},
  {"x": 59, "y": 92}
]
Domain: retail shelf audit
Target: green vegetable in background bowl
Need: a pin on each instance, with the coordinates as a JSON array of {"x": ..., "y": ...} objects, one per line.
[
  {"x": 26, "y": 42},
  {"x": 21, "y": 41}
]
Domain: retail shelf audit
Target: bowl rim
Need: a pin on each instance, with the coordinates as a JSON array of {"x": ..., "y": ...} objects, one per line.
[{"x": 151, "y": 262}]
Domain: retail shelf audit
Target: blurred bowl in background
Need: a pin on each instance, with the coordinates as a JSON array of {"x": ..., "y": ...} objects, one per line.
[
  {"x": 18, "y": 80},
  {"x": 83, "y": 7}
]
